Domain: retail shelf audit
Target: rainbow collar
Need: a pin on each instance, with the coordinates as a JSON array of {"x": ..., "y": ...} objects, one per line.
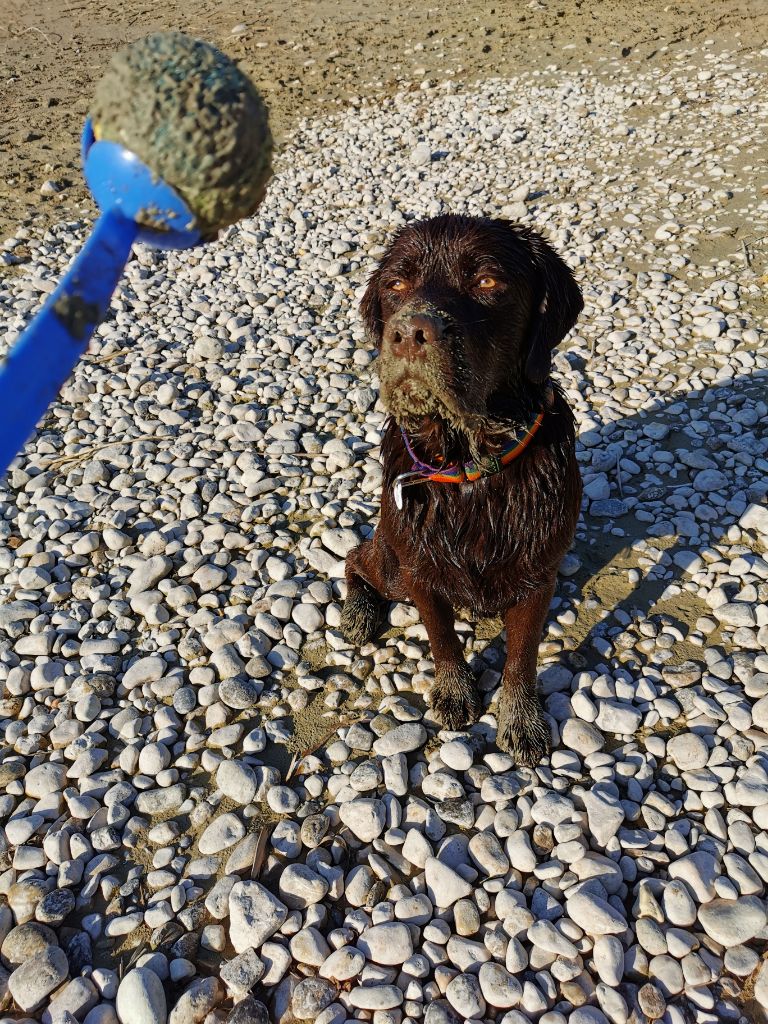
[{"x": 466, "y": 472}]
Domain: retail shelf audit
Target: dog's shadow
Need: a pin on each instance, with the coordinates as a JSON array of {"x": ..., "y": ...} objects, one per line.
[{"x": 685, "y": 468}]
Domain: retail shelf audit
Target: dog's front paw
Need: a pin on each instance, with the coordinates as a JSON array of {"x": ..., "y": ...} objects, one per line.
[
  {"x": 362, "y": 616},
  {"x": 522, "y": 729},
  {"x": 454, "y": 697}
]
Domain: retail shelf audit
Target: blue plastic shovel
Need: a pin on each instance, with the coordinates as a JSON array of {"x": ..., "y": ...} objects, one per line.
[{"x": 129, "y": 196}]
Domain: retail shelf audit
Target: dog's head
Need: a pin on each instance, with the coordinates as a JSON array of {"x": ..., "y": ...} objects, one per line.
[{"x": 466, "y": 312}]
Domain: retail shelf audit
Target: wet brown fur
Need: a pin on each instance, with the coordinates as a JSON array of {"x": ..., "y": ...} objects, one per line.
[{"x": 492, "y": 546}]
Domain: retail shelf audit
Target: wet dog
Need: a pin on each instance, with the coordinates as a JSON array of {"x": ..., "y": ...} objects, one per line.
[{"x": 481, "y": 487}]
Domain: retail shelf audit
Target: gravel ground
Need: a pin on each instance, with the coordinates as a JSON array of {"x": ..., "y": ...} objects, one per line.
[{"x": 207, "y": 793}]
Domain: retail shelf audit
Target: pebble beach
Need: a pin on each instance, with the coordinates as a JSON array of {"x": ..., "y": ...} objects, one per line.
[{"x": 214, "y": 810}]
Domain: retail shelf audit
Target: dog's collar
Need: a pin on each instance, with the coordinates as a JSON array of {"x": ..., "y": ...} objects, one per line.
[{"x": 468, "y": 472}]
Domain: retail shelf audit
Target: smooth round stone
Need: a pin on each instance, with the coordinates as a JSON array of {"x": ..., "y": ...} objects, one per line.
[
  {"x": 401, "y": 740},
  {"x": 309, "y": 947},
  {"x": 375, "y": 997},
  {"x": 594, "y": 915},
  {"x": 679, "y": 908},
  {"x": 500, "y": 989},
  {"x": 365, "y": 818},
  {"x": 699, "y": 871},
  {"x": 389, "y": 943},
  {"x": 733, "y": 922},
  {"x": 487, "y": 853},
  {"x": 344, "y": 963},
  {"x": 583, "y": 737},
  {"x": 311, "y": 996},
  {"x": 688, "y": 751},
  {"x": 366, "y": 777},
  {"x": 314, "y": 829},
  {"x": 154, "y": 757},
  {"x": 465, "y": 996},
  {"x": 456, "y": 755},
  {"x": 300, "y": 887},
  {"x": 651, "y": 1001},
  {"x": 521, "y": 855},
  {"x": 240, "y": 694},
  {"x": 308, "y": 617},
  {"x": 608, "y": 956},
  {"x": 741, "y": 960},
  {"x": 282, "y": 799},
  {"x": 45, "y": 779},
  {"x": 236, "y": 781},
  {"x": 223, "y": 832},
  {"x": 416, "y": 909},
  {"x": 359, "y": 883},
  {"x": 466, "y": 917}
]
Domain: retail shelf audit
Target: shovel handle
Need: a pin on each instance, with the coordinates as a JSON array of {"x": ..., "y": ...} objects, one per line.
[{"x": 48, "y": 350}]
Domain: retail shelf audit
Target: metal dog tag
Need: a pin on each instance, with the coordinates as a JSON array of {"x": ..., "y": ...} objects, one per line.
[
  {"x": 398, "y": 491},
  {"x": 404, "y": 480}
]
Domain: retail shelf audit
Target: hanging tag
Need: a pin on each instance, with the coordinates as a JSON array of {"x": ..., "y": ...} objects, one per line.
[
  {"x": 398, "y": 490},
  {"x": 404, "y": 480}
]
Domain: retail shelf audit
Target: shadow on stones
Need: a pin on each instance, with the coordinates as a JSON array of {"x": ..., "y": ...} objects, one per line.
[{"x": 715, "y": 437}]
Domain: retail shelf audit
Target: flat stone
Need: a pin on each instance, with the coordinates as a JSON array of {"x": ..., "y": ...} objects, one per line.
[
  {"x": 236, "y": 781},
  {"x": 388, "y": 943},
  {"x": 605, "y": 812},
  {"x": 500, "y": 989},
  {"x": 594, "y": 915},
  {"x": 33, "y": 981},
  {"x": 365, "y": 818},
  {"x": 583, "y": 737},
  {"x": 444, "y": 885},
  {"x": 223, "y": 832},
  {"x": 242, "y": 972},
  {"x": 311, "y": 996},
  {"x": 376, "y": 997},
  {"x": 197, "y": 1001},
  {"x": 401, "y": 740},
  {"x": 688, "y": 751},
  {"x": 343, "y": 964},
  {"x": 254, "y": 915},
  {"x": 300, "y": 887},
  {"x": 733, "y": 922}
]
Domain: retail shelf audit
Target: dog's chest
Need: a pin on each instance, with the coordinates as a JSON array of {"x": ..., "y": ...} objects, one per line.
[{"x": 481, "y": 545}]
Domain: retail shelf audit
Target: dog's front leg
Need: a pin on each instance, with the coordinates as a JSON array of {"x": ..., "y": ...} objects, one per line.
[
  {"x": 522, "y": 728},
  {"x": 454, "y": 697}
]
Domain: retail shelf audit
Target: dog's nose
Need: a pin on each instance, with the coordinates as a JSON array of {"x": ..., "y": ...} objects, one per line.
[{"x": 412, "y": 335}]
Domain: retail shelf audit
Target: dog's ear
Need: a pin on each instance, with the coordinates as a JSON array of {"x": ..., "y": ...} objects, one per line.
[
  {"x": 557, "y": 303},
  {"x": 370, "y": 308}
]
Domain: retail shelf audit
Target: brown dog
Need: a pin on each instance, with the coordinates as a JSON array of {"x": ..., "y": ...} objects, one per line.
[{"x": 481, "y": 489}]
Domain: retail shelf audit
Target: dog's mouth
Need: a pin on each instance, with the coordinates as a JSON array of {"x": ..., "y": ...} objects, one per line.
[{"x": 413, "y": 394}]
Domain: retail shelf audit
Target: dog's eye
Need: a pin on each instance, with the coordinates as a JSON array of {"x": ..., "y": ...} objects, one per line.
[
  {"x": 397, "y": 285},
  {"x": 486, "y": 282}
]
